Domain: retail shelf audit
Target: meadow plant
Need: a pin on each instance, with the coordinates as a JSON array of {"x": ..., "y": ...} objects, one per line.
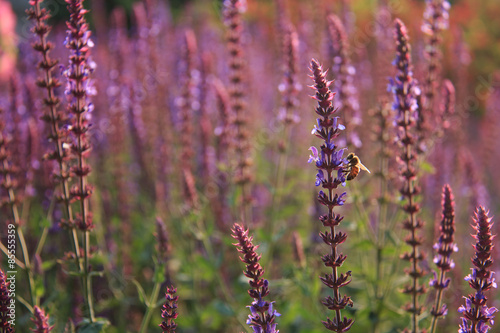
[
  {"x": 330, "y": 176},
  {"x": 262, "y": 315},
  {"x": 344, "y": 72},
  {"x": 183, "y": 104},
  {"x": 444, "y": 248},
  {"x": 79, "y": 89},
  {"x": 435, "y": 21},
  {"x": 476, "y": 315},
  {"x": 187, "y": 116},
  {"x": 405, "y": 89},
  {"x": 232, "y": 18},
  {"x": 223, "y": 146}
]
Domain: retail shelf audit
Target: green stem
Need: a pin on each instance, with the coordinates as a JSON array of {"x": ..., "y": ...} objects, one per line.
[
  {"x": 437, "y": 304},
  {"x": 151, "y": 304}
]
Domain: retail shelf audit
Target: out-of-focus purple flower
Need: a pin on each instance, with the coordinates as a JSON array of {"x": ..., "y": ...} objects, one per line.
[
  {"x": 405, "y": 94},
  {"x": 476, "y": 315},
  {"x": 41, "y": 321},
  {"x": 344, "y": 72},
  {"x": 262, "y": 314},
  {"x": 80, "y": 89},
  {"x": 435, "y": 21}
]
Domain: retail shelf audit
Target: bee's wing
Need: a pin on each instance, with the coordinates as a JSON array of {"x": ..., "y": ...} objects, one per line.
[{"x": 363, "y": 167}]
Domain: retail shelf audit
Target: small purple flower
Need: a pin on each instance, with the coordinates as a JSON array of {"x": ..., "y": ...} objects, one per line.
[
  {"x": 314, "y": 156},
  {"x": 320, "y": 177}
]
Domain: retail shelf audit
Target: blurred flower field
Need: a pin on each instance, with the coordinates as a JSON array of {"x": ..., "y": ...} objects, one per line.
[{"x": 249, "y": 166}]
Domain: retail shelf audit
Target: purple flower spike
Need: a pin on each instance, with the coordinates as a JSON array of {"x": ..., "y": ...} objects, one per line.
[
  {"x": 262, "y": 315},
  {"x": 331, "y": 174},
  {"x": 405, "y": 92},
  {"x": 476, "y": 315},
  {"x": 169, "y": 311},
  {"x": 444, "y": 248}
]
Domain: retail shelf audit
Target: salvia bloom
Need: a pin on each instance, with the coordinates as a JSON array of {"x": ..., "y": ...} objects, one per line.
[
  {"x": 55, "y": 118},
  {"x": 405, "y": 104},
  {"x": 476, "y": 315},
  {"x": 5, "y": 301},
  {"x": 289, "y": 87},
  {"x": 169, "y": 311},
  {"x": 344, "y": 73},
  {"x": 232, "y": 18},
  {"x": 444, "y": 248},
  {"x": 262, "y": 314},
  {"x": 41, "y": 321},
  {"x": 79, "y": 89},
  {"x": 186, "y": 118},
  {"x": 435, "y": 21},
  {"x": 331, "y": 174}
]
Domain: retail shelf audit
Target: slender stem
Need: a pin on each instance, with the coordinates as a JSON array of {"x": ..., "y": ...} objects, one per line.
[
  {"x": 437, "y": 304},
  {"x": 336, "y": 291},
  {"x": 56, "y": 135},
  {"x": 151, "y": 306},
  {"x": 80, "y": 102}
]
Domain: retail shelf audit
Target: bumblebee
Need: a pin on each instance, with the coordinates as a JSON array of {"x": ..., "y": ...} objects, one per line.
[{"x": 353, "y": 167}]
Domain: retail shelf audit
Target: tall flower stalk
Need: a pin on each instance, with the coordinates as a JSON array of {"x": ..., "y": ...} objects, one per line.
[
  {"x": 262, "y": 314},
  {"x": 344, "y": 73},
  {"x": 187, "y": 116},
  {"x": 476, "y": 315},
  {"x": 435, "y": 21},
  {"x": 232, "y": 17},
  {"x": 162, "y": 253},
  {"x": 222, "y": 147},
  {"x": 444, "y": 248},
  {"x": 56, "y": 119},
  {"x": 287, "y": 116},
  {"x": 330, "y": 176},
  {"x": 79, "y": 89},
  {"x": 405, "y": 104}
]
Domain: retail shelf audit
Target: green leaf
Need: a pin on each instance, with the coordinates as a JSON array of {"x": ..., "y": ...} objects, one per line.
[{"x": 140, "y": 291}]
